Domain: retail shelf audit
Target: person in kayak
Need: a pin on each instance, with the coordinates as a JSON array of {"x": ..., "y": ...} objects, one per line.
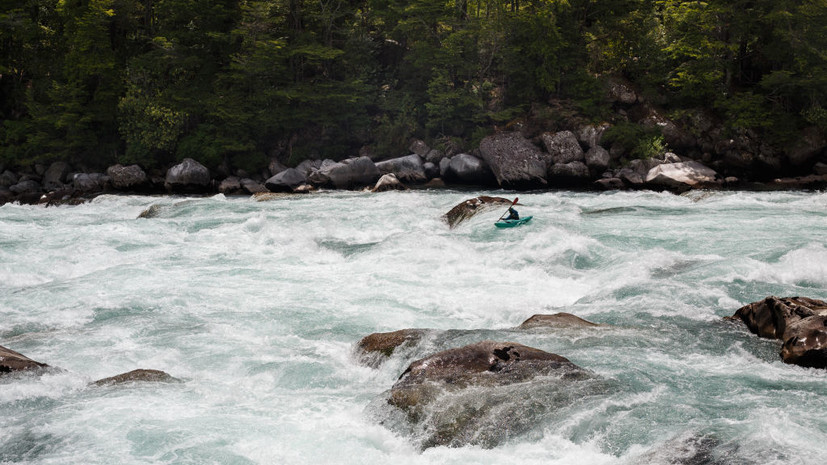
[{"x": 512, "y": 214}]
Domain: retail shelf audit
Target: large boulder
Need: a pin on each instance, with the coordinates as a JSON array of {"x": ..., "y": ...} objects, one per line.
[
  {"x": 55, "y": 176},
  {"x": 230, "y": 185},
  {"x": 468, "y": 208},
  {"x": 466, "y": 169},
  {"x": 8, "y": 178},
  {"x": 187, "y": 175},
  {"x": 251, "y": 186},
  {"x": 286, "y": 181},
  {"x": 799, "y": 322},
  {"x": 514, "y": 160},
  {"x": 477, "y": 394},
  {"x": 354, "y": 172},
  {"x": 126, "y": 177},
  {"x": 409, "y": 169},
  {"x": 590, "y": 135},
  {"x": 26, "y": 187},
  {"x": 681, "y": 176},
  {"x": 598, "y": 159},
  {"x": 11, "y": 361},
  {"x": 562, "y": 147}
]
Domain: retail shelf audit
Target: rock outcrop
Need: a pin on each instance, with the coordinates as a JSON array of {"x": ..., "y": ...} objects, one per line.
[
  {"x": 482, "y": 393},
  {"x": 514, "y": 160},
  {"x": 471, "y": 207},
  {"x": 11, "y": 361},
  {"x": 799, "y": 322},
  {"x": 187, "y": 176}
]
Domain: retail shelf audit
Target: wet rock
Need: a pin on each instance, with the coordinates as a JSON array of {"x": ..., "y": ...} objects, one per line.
[
  {"x": 388, "y": 182},
  {"x": 187, "y": 176},
  {"x": 286, "y": 181},
  {"x": 408, "y": 169},
  {"x": 799, "y": 322},
  {"x": 136, "y": 376},
  {"x": 483, "y": 393},
  {"x": 563, "y": 147},
  {"x": 684, "y": 175},
  {"x": 471, "y": 207},
  {"x": 11, "y": 361},
  {"x": 467, "y": 169},
  {"x": 514, "y": 160},
  {"x": 126, "y": 177},
  {"x": 375, "y": 348},
  {"x": 556, "y": 320}
]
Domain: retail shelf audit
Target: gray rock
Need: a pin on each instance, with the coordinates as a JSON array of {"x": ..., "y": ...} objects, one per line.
[
  {"x": 467, "y": 169},
  {"x": 187, "y": 174},
  {"x": 598, "y": 158},
  {"x": 562, "y": 147},
  {"x": 443, "y": 166},
  {"x": 631, "y": 177},
  {"x": 419, "y": 147},
  {"x": 408, "y": 169},
  {"x": 230, "y": 185},
  {"x": 681, "y": 175},
  {"x": 26, "y": 187},
  {"x": 609, "y": 184},
  {"x": 126, "y": 177},
  {"x": 308, "y": 166},
  {"x": 388, "y": 182},
  {"x": 514, "y": 160},
  {"x": 252, "y": 186},
  {"x": 55, "y": 176},
  {"x": 434, "y": 156},
  {"x": 352, "y": 173},
  {"x": 573, "y": 172},
  {"x": 137, "y": 376},
  {"x": 557, "y": 320},
  {"x": 820, "y": 168},
  {"x": 8, "y": 179},
  {"x": 431, "y": 170},
  {"x": 286, "y": 181},
  {"x": 90, "y": 182},
  {"x": 275, "y": 167}
]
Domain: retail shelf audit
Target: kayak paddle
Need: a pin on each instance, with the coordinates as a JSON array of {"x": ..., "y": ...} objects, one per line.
[{"x": 509, "y": 207}]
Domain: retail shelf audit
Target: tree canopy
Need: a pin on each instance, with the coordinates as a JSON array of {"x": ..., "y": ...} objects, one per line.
[{"x": 97, "y": 82}]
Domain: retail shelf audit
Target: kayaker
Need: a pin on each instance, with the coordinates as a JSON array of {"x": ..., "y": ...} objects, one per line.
[{"x": 512, "y": 214}]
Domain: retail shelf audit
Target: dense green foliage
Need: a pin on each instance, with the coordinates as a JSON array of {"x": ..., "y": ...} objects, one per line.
[{"x": 96, "y": 82}]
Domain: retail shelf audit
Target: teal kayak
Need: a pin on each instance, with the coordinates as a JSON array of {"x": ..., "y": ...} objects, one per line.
[{"x": 512, "y": 223}]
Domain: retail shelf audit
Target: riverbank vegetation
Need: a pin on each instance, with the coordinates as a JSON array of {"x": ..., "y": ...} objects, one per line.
[{"x": 97, "y": 82}]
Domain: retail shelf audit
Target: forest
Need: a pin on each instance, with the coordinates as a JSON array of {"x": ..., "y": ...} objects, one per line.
[{"x": 97, "y": 82}]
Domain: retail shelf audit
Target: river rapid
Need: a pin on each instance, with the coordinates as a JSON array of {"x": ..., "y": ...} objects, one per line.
[{"x": 256, "y": 308}]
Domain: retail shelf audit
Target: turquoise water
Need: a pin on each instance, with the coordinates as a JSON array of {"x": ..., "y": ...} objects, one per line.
[{"x": 256, "y": 307}]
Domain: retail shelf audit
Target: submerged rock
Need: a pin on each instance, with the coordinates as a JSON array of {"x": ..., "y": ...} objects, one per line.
[
  {"x": 481, "y": 394},
  {"x": 140, "y": 375},
  {"x": 11, "y": 361},
  {"x": 799, "y": 322},
  {"x": 557, "y": 320},
  {"x": 471, "y": 207},
  {"x": 375, "y": 348}
]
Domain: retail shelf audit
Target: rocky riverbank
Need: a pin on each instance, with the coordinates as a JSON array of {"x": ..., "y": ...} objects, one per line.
[{"x": 586, "y": 156}]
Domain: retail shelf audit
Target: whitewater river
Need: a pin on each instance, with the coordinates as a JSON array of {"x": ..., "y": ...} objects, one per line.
[{"x": 256, "y": 308}]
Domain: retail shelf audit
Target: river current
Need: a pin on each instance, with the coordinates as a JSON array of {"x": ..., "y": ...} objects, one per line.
[{"x": 256, "y": 308}]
